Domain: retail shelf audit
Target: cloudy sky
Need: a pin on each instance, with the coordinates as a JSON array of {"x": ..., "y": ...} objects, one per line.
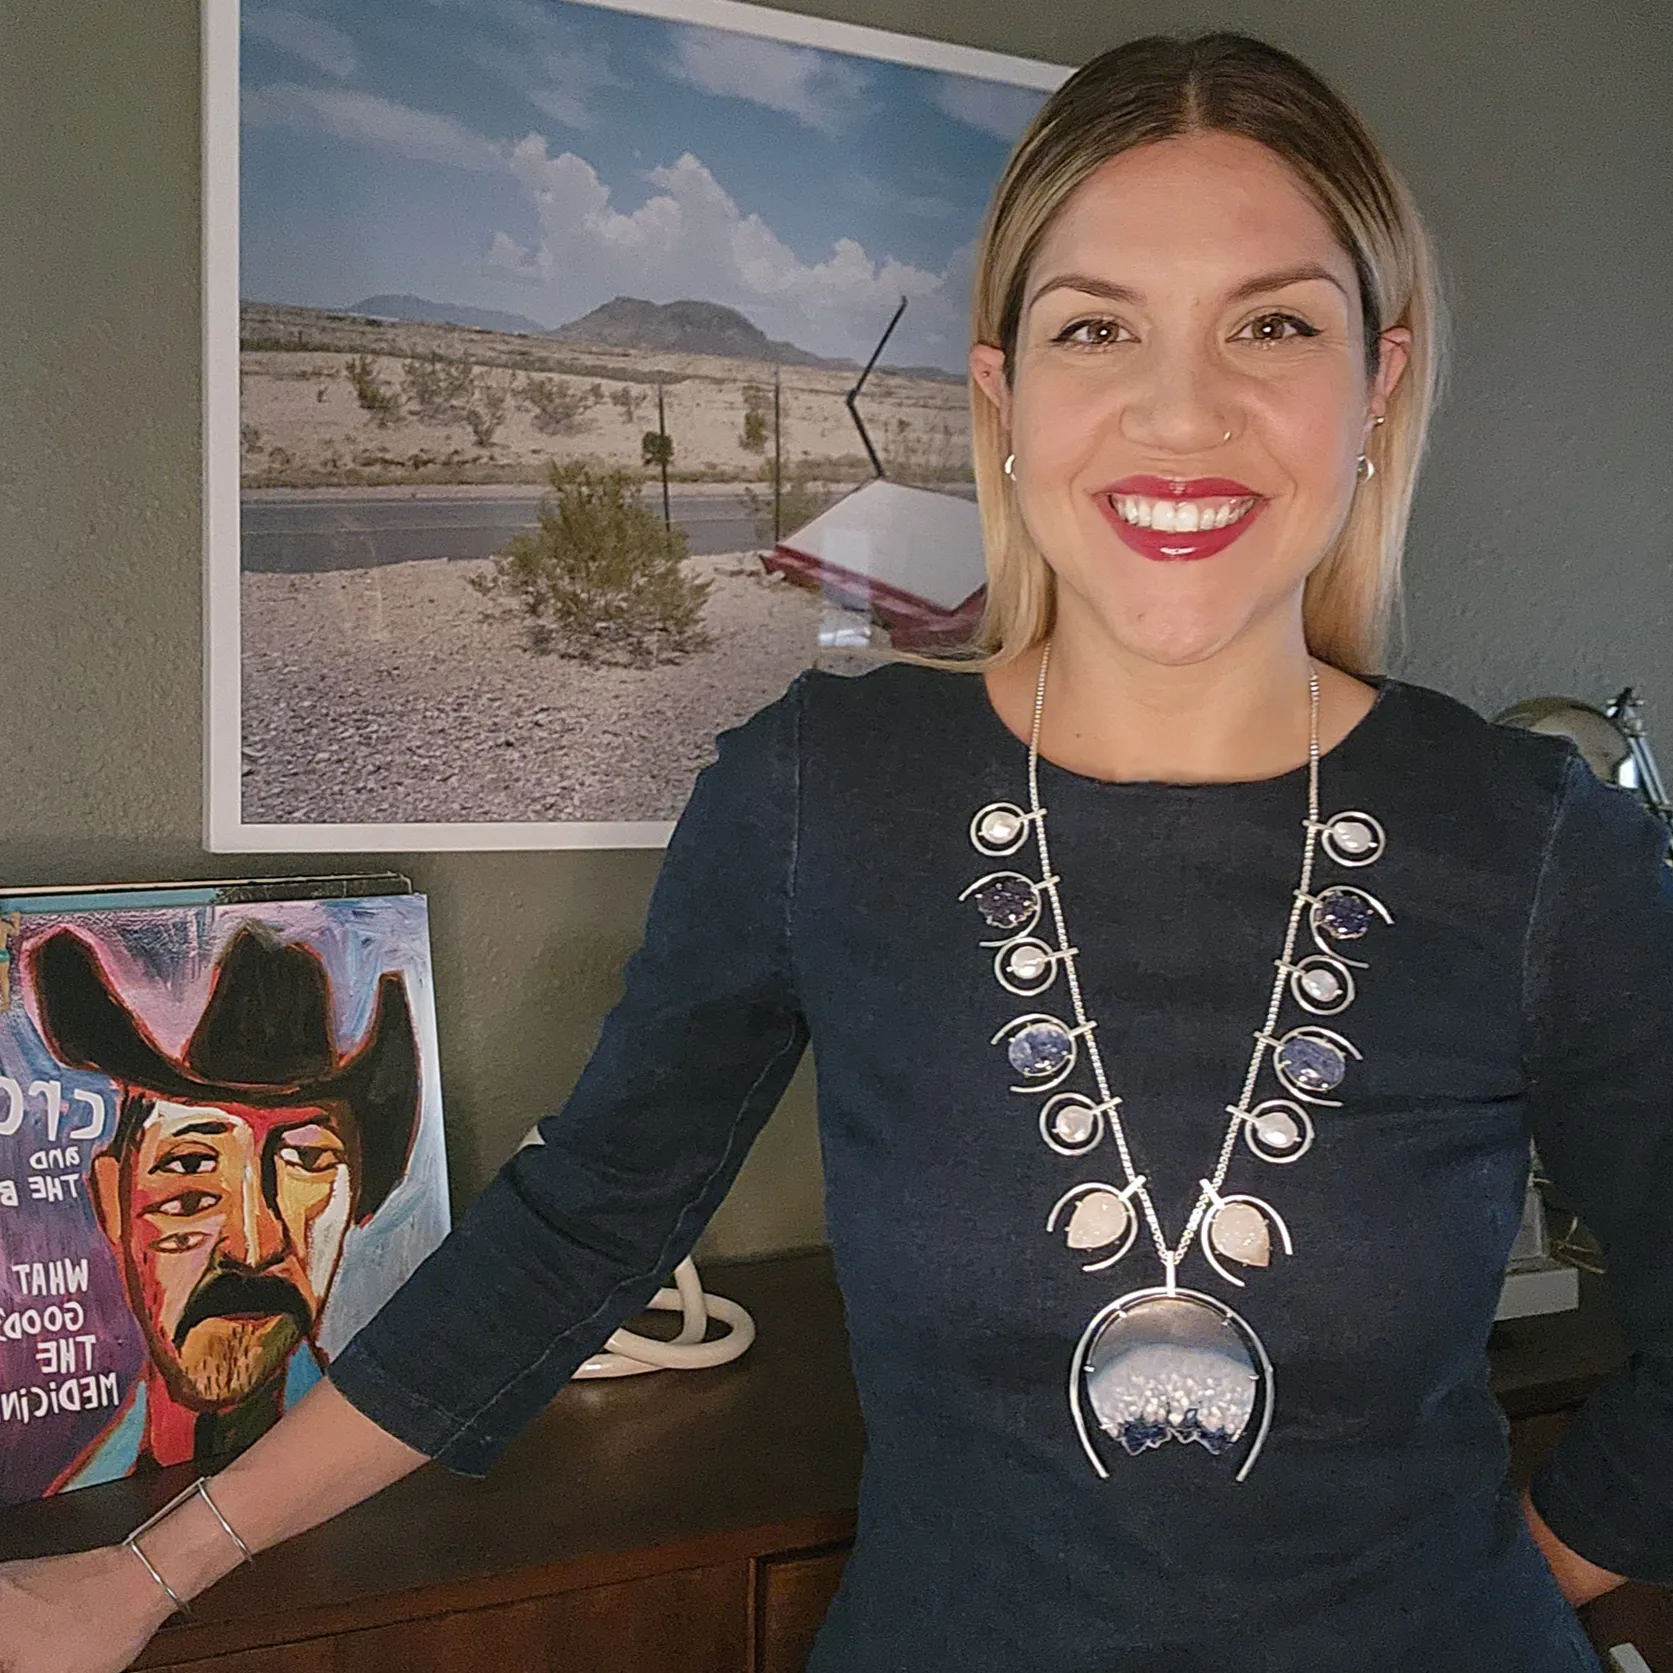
[{"x": 543, "y": 156}]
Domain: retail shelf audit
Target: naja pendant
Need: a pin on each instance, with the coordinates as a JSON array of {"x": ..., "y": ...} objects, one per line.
[{"x": 1161, "y": 1365}]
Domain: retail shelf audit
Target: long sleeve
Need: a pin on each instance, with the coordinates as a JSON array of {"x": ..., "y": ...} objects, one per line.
[
  {"x": 1599, "y": 1054},
  {"x": 575, "y": 1234}
]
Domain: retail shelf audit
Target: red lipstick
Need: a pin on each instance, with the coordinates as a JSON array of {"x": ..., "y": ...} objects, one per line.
[{"x": 1168, "y": 545}]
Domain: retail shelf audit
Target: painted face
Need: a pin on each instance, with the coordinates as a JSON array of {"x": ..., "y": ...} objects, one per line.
[
  {"x": 1143, "y": 339},
  {"x": 230, "y": 1222}
]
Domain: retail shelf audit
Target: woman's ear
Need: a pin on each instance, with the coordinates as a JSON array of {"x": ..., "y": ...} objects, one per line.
[
  {"x": 987, "y": 367},
  {"x": 1395, "y": 351}
]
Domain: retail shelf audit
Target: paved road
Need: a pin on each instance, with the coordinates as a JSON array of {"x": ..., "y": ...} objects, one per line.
[
  {"x": 307, "y": 535},
  {"x": 310, "y": 533}
]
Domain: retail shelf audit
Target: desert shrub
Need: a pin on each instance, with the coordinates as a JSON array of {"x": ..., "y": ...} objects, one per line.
[
  {"x": 656, "y": 447},
  {"x": 437, "y": 387},
  {"x": 557, "y": 406},
  {"x": 628, "y": 400},
  {"x": 799, "y": 501},
  {"x": 753, "y": 437},
  {"x": 601, "y": 578},
  {"x": 371, "y": 391},
  {"x": 486, "y": 411}
]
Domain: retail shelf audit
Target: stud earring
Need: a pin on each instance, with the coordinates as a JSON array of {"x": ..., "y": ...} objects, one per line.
[{"x": 1010, "y": 460}]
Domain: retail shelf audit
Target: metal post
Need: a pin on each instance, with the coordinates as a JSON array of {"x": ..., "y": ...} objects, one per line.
[
  {"x": 663, "y": 451},
  {"x": 778, "y": 459}
]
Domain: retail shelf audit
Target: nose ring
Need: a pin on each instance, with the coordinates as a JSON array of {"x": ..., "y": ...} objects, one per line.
[
  {"x": 1226, "y": 437},
  {"x": 1010, "y": 460}
]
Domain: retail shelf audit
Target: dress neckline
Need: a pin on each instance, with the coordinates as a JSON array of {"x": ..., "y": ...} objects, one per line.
[{"x": 1342, "y": 753}]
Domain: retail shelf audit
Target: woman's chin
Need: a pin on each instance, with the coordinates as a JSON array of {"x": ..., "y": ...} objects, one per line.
[{"x": 1170, "y": 641}]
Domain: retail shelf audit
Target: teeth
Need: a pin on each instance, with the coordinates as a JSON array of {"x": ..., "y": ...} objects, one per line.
[{"x": 1180, "y": 516}]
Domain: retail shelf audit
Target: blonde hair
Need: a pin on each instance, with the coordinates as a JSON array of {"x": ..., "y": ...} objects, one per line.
[{"x": 1161, "y": 87}]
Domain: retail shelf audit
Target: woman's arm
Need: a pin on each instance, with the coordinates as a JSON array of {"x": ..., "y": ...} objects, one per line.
[
  {"x": 319, "y": 1459},
  {"x": 1581, "y": 1581},
  {"x": 1599, "y": 1058}
]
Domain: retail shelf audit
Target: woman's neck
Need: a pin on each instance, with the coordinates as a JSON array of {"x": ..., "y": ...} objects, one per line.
[{"x": 1241, "y": 715}]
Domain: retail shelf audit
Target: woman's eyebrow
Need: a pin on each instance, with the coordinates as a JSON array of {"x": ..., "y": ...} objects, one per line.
[{"x": 1108, "y": 289}]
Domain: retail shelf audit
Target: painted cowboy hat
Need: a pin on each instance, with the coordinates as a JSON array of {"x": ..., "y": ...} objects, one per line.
[{"x": 264, "y": 1039}]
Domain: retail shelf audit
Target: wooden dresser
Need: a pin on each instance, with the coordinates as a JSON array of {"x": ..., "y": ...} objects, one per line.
[{"x": 677, "y": 1523}]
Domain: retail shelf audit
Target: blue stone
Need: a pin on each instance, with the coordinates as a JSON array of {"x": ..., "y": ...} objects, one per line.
[
  {"x": 1313, "y": 1065},
  {"x": 1007, "y": 902},
  {"x": 1344, "y": 914},
  {"x": 1041, "y": 1048}
]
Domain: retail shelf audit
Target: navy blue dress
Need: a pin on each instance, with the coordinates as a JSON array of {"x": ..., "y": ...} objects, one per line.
[{"x": 811, "y": 892}]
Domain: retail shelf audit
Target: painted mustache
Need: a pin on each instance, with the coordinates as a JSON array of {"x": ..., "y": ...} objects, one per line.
[{"x": 230, "y": 1293}]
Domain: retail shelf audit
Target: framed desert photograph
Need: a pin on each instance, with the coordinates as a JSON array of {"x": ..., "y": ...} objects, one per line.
[{"x": 576, "y": 375}]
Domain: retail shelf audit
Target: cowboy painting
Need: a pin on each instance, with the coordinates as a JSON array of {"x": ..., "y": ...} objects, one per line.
[{"x": 233, "y": 1174}]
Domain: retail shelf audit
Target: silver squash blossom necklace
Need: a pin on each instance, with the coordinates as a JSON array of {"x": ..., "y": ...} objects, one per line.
[{"x": 1166, "y": 1362}]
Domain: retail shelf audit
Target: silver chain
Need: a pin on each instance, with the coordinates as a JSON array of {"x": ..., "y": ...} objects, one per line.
[{"x": 1087, "y": 1029}]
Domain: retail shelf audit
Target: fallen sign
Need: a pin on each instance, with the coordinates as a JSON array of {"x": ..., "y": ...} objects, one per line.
[{"x": 911, "y": 556}]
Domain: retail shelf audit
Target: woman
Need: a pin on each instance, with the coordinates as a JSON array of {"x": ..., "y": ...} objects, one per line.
[{"x": 1145, "y": 1387}]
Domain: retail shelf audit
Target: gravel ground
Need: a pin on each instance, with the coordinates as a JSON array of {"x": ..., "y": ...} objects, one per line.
[{"x": 399, "y": 694}]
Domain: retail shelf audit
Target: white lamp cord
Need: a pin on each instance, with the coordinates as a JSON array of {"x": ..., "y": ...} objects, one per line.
[{"x": 628, "y": 1355}]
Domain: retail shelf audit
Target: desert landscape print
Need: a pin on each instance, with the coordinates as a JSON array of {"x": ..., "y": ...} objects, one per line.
[{"x": 598, "y": 372}]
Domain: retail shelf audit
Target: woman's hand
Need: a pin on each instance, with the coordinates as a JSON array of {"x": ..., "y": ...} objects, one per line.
[
  {"x": 88, "y": 1613},
  {"x": 1581, "y": 1581}
]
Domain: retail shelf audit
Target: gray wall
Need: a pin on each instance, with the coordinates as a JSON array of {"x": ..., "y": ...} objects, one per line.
[{"x": 1536, "y": 135}]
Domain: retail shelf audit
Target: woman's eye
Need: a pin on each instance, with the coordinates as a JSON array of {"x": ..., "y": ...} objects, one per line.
[
  {"x": 1098, "y": 332},
  {"x": 1303, "y": 329}
]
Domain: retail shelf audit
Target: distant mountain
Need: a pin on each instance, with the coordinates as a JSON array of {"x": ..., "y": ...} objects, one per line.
[
  {"x": 691, "y": 327},
  {"x": 446, "y": 313},
  {"x": 685, "y": 327}
]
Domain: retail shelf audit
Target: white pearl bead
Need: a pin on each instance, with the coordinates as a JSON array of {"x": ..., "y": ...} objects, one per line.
[
  {"x": 1277, "y": 1130},
  {"x": 1073, "y": 1124},
  {"x": 1000, "y": 827},
  {"x": 1352, "y": 836}
]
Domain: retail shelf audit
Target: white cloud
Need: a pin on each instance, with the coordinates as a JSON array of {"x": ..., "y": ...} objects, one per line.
[
  {"x": 381, "y": 124},
  {"x": 690, "y": 239},
  {"x": 558, "y": 84},
  {"x": 817, "y": 88},
  {"x": 994, "y": 107},
  {"x": 507, "y": 259},
  {"x": 307, "y": 38},
  {"x": 866, "y": 189}
]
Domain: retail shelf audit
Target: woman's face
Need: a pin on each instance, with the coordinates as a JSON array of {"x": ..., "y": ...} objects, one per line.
[{"x": 1187, "y": 288}]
